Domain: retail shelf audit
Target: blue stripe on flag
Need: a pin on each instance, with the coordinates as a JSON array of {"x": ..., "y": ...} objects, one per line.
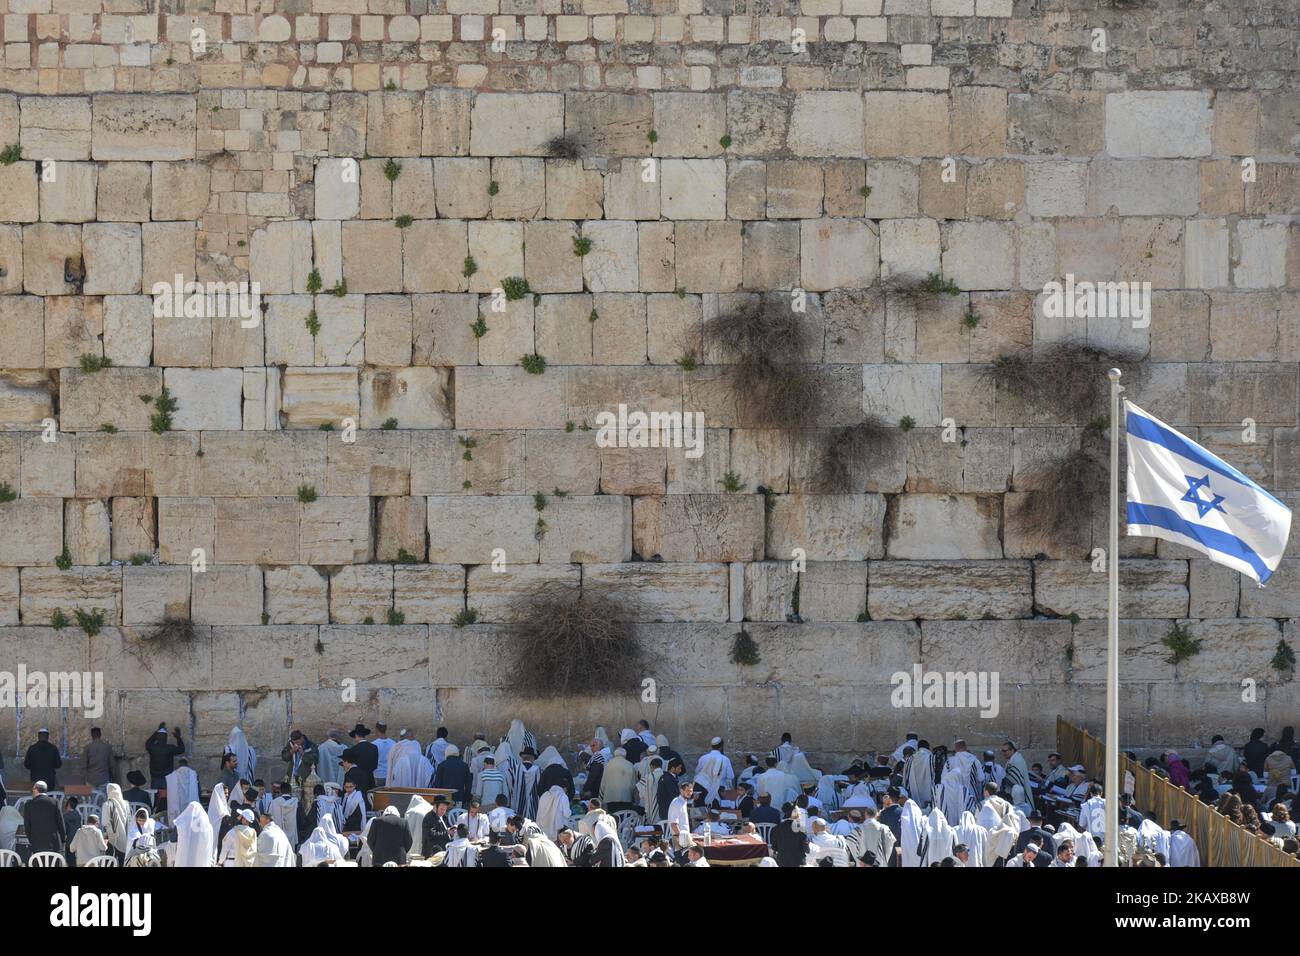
[
  {"x": 1139, "y": 426},
  {"x": 1211, "y": 538}
]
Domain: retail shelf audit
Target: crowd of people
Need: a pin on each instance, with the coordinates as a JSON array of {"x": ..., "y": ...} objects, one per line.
[{"x": 625, "y": 801}]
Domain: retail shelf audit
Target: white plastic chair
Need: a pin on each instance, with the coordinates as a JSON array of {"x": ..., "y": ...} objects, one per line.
[
  {"x": 388, "y": 864},
  {"x": 139, "y": 806},
  {"x": 103, "y": 861},
  {"x": 454, "y": 816},
  {"x": 765, "y": 831},
  {"x": 9, "y": 858},
  {"x": 21, "y": 802},
  {"x": 85, "y": 810},
  {"x": 628, "y": 821},
  {"x": 47, "y": 858}
]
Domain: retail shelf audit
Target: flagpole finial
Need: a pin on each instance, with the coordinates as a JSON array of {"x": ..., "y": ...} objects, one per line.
[{"x": 1114, "y": 374}]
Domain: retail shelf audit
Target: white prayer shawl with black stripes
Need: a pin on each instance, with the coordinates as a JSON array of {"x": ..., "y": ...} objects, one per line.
[
  {"x": 523, "y": 788},
  {"x": 918, "y": 778},
  {"x": 1018, "y": 776}
]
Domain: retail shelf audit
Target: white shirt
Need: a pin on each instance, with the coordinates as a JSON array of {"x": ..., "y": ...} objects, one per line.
[
  {"x": 383, "y": 745},
  {"x": 679, "y": 813},
  {"x": 497, "y": 818},
  {"x": 477, "y": 824}
]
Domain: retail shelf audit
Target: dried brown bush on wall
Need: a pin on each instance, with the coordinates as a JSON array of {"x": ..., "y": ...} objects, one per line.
[
  {"x": 1067, "y": 491},
  {"x": 764, "y": 345},
  {"x": 569, "y": 641},
  {"x": 847, "y": 452},
  {"x": 1067, "y": 379}
]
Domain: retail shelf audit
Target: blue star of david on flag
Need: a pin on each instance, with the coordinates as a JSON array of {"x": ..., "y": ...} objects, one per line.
[{"x": 1203, "y": 507}]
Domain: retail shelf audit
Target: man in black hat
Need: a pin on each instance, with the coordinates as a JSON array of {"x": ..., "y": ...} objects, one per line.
[
  {"x": 436, "y": 833},
  {"x": 162, "y": 755},
  {"x": 363, "y": 754},
  {"x": 1038, "y": 837},
  {"x": 352, "y": 773},
  {"x": 136, "y": 792},
  {"x": 43, "y": 759}
]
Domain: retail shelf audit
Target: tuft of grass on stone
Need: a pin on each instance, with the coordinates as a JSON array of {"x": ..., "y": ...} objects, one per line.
[
  {"x": 907, "y": 423},
  {"x": 533, "y": 364},
  {"x": 494, "y": 187},
  {"x": 731, "y": 483},
  {"x": 11, "y": 154},
  {"x": 725, "y": 142},
  {"x": 340, "y": 288},
  {"x": 313, "y": 323},
  {"x": 1181, "y": 644},
  {"x": 405, "y": 557},
  {"x": 688, "y": 362},
  {"x": 173, "y": 631},
  {"x": 392, "y": 169},
  {"x": 847, "y": 454},
  {"x": 404, "y": 221},
  {"x": 7, "y": 494},
  {"x": 515, "y": 288},
  {"x": 653, "y": 136},
  {"x": 1283, "y": 658},
  {"x": 314, "y": 281},
  {"x": 64, "y": 561},
  {"x": 467, "y": 616},
  {"x": 58, "y": 620},
  {"x": 90, "y": 621},
  {"x": 108, "y": 428},
  {"x": 581, "y": 245},
  {"x": 539, "y": 501},
  {"x": 469, "y": 268},
  {"x": 306, "y": 494},
  {"x": 971, "y": 319},
  {"x": 326, "y": 426},
  {"x": 389, "y": 425},
  {"x": 139, "y": 558},
  {"x": 479, "y": 327},
  {"x": 94, "y": 363},
  {"x": 1066, "y": 379},
  {"x": 864, "y": 192},
  {"x": 395, "y": 617},
  {"x": 565, "y": 147},
  {"x": 593, "y": 316}
]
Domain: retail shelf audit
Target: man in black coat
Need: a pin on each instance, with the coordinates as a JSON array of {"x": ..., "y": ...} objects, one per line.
[
  {"x": 43, "y": 760},
  {"x": 494, "y": 854},
  {"x": 162, "y": 755},
  {"x": 669, "y": 785},
  {"x": 43, "y": 821},
  {"x": 388, "y": 839},
  {"x": 1039, "y": 837},
  {"x": 136, "y": 792},
  {"x": 789, "y": 846},
  {"x": 364, "y": 754},
  {"x": 453, "y": 774},
  {"x": 436, "y": 833}
]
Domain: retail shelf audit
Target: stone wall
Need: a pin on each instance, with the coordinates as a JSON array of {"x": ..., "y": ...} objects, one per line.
[{"x": 844, "y": 148}]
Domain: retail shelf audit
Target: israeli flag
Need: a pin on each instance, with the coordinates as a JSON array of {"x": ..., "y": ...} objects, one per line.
[{"x": 1180, "y": 492}]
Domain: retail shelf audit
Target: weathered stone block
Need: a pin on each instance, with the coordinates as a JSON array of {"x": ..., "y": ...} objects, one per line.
[
  {"x": 138, "y": 126},
  {"x": 827, "y": 527},
  {"x": 1147, "y": 589}
]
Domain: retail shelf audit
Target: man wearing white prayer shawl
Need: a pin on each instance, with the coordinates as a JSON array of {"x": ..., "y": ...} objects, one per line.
[
  {"x": 713, "y": 771},
  {"x": 324, "y": 845},
  {"x": 993, "y": 810},
  {"x": 1086, "y": 847},
  {"x": 918, "y": 776},
  {"x": 117, "y": 818},
  {"x": 972, "y": 773},
  {"x": 940, "y": 838},
  {"x": 1154, "y": 838},
  {"x": 647, "y": 793},
  {"x": 460, "y": 851},
  {"x": 828, "y": 795},
  {"x": 1225, "y": 759},
  {"x": 245, "y": 756},
  {"x": 414, "y": 820},
  {"x": 1182, "y": 848},
  {"x": 194, "y": 837},
  {"x": 519, "y": 737},
  {"x": 876, "y": 839},
  {"x": 800, "y": 767},
  {"x": 618, "y": 782},
  {"x": 141, "y": 823},
  {"x": 89, "y": 842},
  {"x": 647, "y": 736},
  {"x": 951, "y": 795},
  {"x": 1092, "y": 814},
  {"x": 912, "y": 834},
  {"x": 330, "y": 750},
  {"x": 218, "y": 810},
  {"x": 407, "y": 766},
  {"x": 824, "y": 845},
  {"x": 182, "y": 789},
  {"x": 523, "y": 784},
  {"x": 1017, "y": 773},
  {"x": 284, "y": 811},
  {"x": 771, "y": 781},
  {"x": 273, "y": 846},
  {"x": 975, "y": 837},
  {"x": 542, "y": 851},
  {"x": 899, "y": 754},
  {"x": 784, "y": 751},
  {"x": 239, "y": 848}
]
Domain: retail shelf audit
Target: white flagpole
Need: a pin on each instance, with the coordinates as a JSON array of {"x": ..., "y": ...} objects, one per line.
[{"x": 1110, "y": 846}]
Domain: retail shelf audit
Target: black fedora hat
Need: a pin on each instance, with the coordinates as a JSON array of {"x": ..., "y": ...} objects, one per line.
[{"x": 360, "y": 730}]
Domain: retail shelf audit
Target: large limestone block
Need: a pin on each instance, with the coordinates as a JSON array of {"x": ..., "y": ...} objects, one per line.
[
  {"x": 549, "y": 262},
  {"x": 836, "y": 654},
  {"x": 264, "y": 463},
  {"x": 710, "y": 527},
  {"x": 610, "y": 124},
  {"x": 833, "y": 591},
  {"x": 261, "y": 530},
  {"x": 827, "y": 527},
  {"x": 227, "y": 594},
  {"x": 501, "y": 596},
  {"x": 1019, "y": 652},
  {"x": 335, "y": 531},
  {"x": 151, "y": 595},
  {"x": 838, "y": 254},
  {"x": 768, "y": 590},
  {"x": 709, "y": 256},
  {"x": 375, "y": 657},
  {"x": 313, "y": 397},
  {"x": 46, "y": 590},
  {"x": 895, "y": 392},
  {"x": 466, "y": 530},
  {"x": 689, "y": 124},
  {"x": 70, "y": 196},
  {"x": 56, "y": 127},
  {"x": 182, "y": 190},
  {"x": 8, "y": 596},
  {"x": 826, "y": 124},
  {"x": 509, "y": 397},
  {"x": 73, "y": 328},
  {"x": 1226, "y": 393},
  {"x": 400, "y": 526},
  {"x": 280, "y": 260},
  {"x": 49, "y": 250},
  {"x": 19, "y": 194},
  {"x": 185, "y": 525},
  {"x": 446, "y": 129},
  {"x": 429, "y": 593},
  {"x": 693, "y": 188},
  {"x": 143, "y": 126},
  {"x": 906, "y": 124},
  {"x": 374, "y": 463},
  {"x": 22, "y": 331},
  {"x": 1144, "y": 657},
  {"x": 361, "y": 594},
  {"x": 1158, "y": 123},
  {"x": 442, "y": 329},
  {"x": 945, "y": 526},
  {"x": 949, "y": 590},
  {"x": 31, "y": 531},
  {"x": 416, "y": 397},
  {"x": 1280, "y": 599},
  {"x": 26, "y": 399},
  {"x": 1146, "y": 589},
  {"x": 515, "y": 124},
  {"x": 87, "y": 531},
  {"x": 568, "y": 461},
  {"x": 296, "y": 595},
  {"x": 133, "y": 659},
  {"x": 124, "y": 192},
  {"x": 338, "y": 188},
  {"x": 266, "y": 658},
  {"x": 112, "y": 258},
  {"x": 664, "y": 592},
  {"x": 207, "y": 398},
  {"x": 88, "y": 400},
  {"x": 1071, "y": 124},
  {"x": 585, "y": 530},
  {"x": 393, "y": 123},
  {"x": 612, "y": 265}
]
